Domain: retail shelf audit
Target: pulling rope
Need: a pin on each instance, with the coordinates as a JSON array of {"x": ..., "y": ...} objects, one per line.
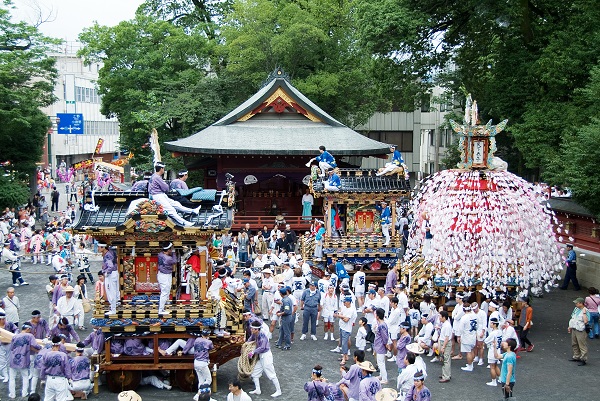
[{"x": 245, "y": 364}]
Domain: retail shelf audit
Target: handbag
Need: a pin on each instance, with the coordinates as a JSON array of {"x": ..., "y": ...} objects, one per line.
[{"x": 86, "y": 305}]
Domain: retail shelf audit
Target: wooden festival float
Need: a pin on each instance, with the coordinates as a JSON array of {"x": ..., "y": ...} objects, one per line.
[
  {"x": 358, "y": 241},
  {"x": 490, "y": 231},
  {"x": 136, "y": 227}
]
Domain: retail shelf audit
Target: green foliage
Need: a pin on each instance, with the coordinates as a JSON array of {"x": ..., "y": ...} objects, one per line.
[
  {"x": 160, "y": 80},
  {"x": 27, "y": 77},
  {"x": 12, "y": 193},
  {"x": 313, "y": 42}
]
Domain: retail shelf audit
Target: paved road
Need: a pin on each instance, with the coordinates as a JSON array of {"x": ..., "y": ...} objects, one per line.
[{"x": 542, "y": 374}]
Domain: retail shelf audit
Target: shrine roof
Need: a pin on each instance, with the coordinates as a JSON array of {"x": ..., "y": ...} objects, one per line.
[
  {"x": 278, "y": 120},
  {"x": 568, "y": 205},
  {"x": 364, "y": 181},
  {"x": 112, "y": 211}
]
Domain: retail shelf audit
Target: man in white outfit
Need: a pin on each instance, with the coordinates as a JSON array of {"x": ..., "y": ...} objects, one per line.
[
  {"x": 167, "y": 263},
  {"x": 158, "y": 188},
  {"x": 111, "y": 276},
  {"x": 68, "y": 306}
]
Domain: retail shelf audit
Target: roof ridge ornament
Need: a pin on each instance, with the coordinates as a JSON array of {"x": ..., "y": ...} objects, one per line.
[
  {"x": 277, "y": 73},
  {"x": 478, "y": 143}
]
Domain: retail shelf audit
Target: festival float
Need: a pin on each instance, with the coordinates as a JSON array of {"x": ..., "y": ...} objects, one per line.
[
  {"x": 480, "y": 228},
  {"x": 353, "y": 234},
  {"x": 136, "y": 228}
]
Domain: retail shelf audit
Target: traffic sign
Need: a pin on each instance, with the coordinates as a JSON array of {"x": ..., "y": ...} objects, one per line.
[{"x": 69, "y": 123}]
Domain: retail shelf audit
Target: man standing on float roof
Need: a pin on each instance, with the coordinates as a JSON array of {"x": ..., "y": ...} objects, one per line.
[
  {"x": 158, "y": 188},
  {"x": 166, "y": 264},
  {"x": 111, "y": 276}
]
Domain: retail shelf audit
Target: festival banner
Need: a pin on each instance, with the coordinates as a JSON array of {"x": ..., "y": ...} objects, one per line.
[{"x": 99, "y": 145}]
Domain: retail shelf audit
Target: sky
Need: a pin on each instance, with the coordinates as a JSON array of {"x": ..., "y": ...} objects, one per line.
[{"x": 67, "y": 18}]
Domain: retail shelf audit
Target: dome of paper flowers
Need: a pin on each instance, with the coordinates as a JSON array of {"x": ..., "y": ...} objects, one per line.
[{"x": 484, "y": 226}]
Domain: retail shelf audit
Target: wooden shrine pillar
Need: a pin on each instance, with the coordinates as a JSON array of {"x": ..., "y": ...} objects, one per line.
[
  {"x": 328, "y": 217},
  {"x": 394, "y": 205}
]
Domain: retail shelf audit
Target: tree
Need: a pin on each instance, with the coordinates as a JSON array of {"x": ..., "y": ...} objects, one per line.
[
  {"x": 310, "y": 40},
  {"x": 155, "y": 75},
  {"x": 521, "y": 60},
  {"x": 201, "y": 14},
  {"x": 27, "y": 77}
]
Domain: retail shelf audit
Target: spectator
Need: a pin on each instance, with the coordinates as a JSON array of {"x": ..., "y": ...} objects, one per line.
[{"x": 54, "y": 196}]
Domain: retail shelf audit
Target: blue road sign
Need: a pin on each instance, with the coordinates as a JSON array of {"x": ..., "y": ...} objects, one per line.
[{"x": 69, "y": 123}]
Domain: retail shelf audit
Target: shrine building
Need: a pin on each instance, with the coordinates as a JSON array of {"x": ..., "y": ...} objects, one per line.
[{"x": 265, "y": 144}]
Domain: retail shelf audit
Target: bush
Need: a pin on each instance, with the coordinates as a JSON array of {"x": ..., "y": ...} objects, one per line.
[{"x": 12, "y": 193}]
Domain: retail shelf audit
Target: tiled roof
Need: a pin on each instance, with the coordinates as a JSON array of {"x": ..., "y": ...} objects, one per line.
[
  {"x": 278, "y": 133},
  {"x": 365, "y": 181},
  {"x": 112, "y": 212}
]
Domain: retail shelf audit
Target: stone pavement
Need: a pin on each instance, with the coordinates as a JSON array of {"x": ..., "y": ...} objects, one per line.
[{"x": 543, "y": 374}]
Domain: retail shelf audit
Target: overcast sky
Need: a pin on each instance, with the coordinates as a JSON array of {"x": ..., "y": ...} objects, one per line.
[{"x": 67, "y": 18}]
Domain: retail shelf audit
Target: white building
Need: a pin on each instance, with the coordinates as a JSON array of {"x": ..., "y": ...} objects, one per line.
[
  {"x": 417, "y": 134},
  {"x": 77, "y": 92}
]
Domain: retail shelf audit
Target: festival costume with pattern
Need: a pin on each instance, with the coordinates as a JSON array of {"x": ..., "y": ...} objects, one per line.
[
  {"x": 56, "y": 370},
  {"x": 157, "y": 189},
  {"x": 264, "y": 364},
  {"x": 326, "y": 161},
  {"x": 80, "y": 369},
  {"x": 369, "y": 386},
  {"x": 317, "y": 390},
  {"x": 165, "y": 277},
  {"x": 202, "y": 347},
  {"x": 20, "y": 360},
  {"x": 386, "y": 221},
  {"x": 397, "y": 160},
  {"x": 111, "y": 279}
]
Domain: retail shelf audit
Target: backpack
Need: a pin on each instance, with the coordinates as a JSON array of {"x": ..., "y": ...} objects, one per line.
[{"x": 370, "y": 337}]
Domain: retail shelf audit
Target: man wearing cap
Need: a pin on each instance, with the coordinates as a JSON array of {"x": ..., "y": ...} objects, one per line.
[
  {"x": 571, "y": 273},
  {"x": 67, "y": 306},
  {"x": 111, "y": 276},
  {"x": 396, "y": 161},
  {"x": 80, "y": 370},
  {"x": 56, "y": 370},
  {"x": 369, "y": 385},
  {"x": 333, "y": 182},
  {"x": 286, "y": 313},
  {"x": 167, "y": 263},
  {"x": 158, "y": 188},
  {"x": 385, "y": 214},
  {"x": 268, "y": 291},
  {"x": 579, "y": 318},
  {"x": 347, "y": 316},
  {"x": 310, "y": 303},
  {"x": 20, "y": 359},
  {"x": 265, "y": 359},
  {"x": 249, "y": 294},
  {"x": 39, "y": 325}
]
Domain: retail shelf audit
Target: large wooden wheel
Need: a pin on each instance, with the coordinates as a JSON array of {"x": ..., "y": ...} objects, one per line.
[
  {"x": 186, "y": 379},
  {"x": 122, "y": 380}
]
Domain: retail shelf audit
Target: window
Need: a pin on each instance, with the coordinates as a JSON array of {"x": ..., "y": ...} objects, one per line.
[
  {"x": 426, "y": 103},
  {"x": 402, "y": 139}
]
